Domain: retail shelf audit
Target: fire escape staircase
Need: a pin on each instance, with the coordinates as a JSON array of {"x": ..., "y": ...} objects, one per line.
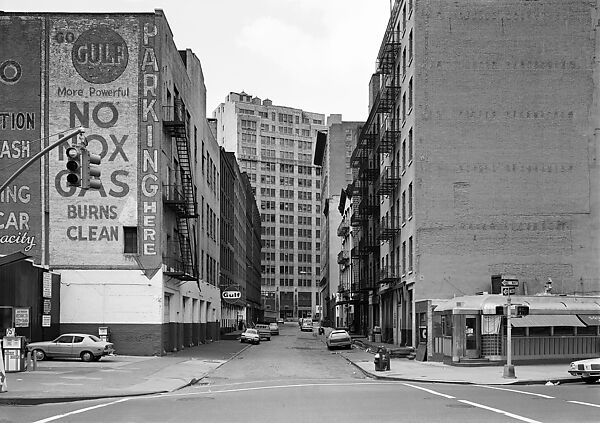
[{"x": 183, "y": 197}]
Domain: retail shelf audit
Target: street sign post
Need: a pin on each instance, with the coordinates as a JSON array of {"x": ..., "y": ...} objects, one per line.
[{"x": 509, "y": 284}]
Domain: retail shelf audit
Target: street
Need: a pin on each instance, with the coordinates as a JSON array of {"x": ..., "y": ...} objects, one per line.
[{"x": 294, "y": 377}]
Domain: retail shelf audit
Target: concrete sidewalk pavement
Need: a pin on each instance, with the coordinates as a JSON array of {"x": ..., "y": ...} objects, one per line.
[
  {"x": 428, "y": 371},
  {"x": 116, "y": 376}
]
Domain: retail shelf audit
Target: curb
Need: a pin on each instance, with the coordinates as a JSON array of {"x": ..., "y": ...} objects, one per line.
[{"x": 194, "y": 381}]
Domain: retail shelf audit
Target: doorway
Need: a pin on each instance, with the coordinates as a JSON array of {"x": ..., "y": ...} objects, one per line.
[{"x": 472, "y": 341}]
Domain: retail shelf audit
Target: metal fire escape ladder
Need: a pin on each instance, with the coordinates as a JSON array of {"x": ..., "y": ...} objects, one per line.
[{"x": 188, "y": 208}]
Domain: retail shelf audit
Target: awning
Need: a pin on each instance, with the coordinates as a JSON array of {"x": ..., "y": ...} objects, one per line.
[
  {"x": 541, "y": 320},
  {"x": 13, "y": 258},
  {"x": 590, "y": 319}
]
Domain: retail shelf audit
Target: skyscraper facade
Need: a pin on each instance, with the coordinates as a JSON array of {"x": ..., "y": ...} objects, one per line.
[{"x": 275, "y": 145}]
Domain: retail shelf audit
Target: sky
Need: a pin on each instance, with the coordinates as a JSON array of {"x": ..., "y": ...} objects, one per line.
[{"x": 315, "y": 55}]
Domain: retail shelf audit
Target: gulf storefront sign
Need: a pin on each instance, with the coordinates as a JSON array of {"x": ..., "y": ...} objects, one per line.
[
  {"x": 20, "y": 133},
  {"x": 97, "y": 79}
]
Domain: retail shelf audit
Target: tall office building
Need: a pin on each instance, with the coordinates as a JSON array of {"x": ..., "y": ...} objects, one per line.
[
  {"x": 275, "y": 145},
  {"x": 478, "y": 156}
]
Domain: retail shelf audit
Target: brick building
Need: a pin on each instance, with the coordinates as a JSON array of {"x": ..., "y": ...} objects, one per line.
[
  {"x": 478, "y": 156},
  {"x": 140, "y": 255}
]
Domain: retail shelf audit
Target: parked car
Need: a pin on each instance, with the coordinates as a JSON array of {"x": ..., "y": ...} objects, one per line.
[
  {"x": 250, "y": 335},
  {"x": 280, "y": 321},
  {"x": 306, "y": 325},
  {"x": 274, "y": 328},
  {"x": 263, "y": 331},
  {"x": 338, "y": 339},
  {"x": 72, "y": 345},
  {"x": 589, "y": 369}
]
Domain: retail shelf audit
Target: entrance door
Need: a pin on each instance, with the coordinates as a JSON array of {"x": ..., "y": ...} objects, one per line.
[{"x": 472, "y": 336}]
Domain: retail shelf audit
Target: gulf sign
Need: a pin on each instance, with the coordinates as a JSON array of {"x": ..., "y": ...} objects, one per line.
[{"x": 231, "y": 296}]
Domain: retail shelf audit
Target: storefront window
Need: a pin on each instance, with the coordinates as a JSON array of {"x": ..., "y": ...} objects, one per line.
[
  {"x": 447, "y": 325},
  {"x": 539, "y": 331},
  {"x": 564, "y": 330},
  {"x": 588, "y": 330}
]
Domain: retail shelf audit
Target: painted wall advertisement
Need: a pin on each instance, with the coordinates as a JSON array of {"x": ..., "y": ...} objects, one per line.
[
  {"x": 20, "y": 132},
  {"x": 94, "y": 82}
]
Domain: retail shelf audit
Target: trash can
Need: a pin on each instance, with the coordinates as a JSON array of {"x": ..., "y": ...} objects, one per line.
[
  {"x": 382, "y": 359},
  {"x": 14, "y": 353},
  {"x": 104, "y": 333}
]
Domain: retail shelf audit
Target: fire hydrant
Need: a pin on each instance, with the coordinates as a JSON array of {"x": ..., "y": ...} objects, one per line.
[{"x": 382, "y": 359}]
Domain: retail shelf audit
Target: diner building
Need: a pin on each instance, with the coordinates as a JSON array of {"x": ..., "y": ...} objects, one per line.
[{"x": 473, "y": 328}]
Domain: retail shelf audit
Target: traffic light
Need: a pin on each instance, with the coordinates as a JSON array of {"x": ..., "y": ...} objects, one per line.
[
  {"x": 90, "y": 172},
  {"x": 74, "y": 166},
  {"x": 522, "y": 310}
]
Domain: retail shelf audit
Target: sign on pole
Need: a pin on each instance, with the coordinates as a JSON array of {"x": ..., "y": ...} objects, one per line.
[{"x": 507, "y": 290}]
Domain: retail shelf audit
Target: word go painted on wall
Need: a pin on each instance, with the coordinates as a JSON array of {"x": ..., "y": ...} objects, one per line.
[
  {"x": 105, "y": 115},
  {"x": 149, "y": 186}
]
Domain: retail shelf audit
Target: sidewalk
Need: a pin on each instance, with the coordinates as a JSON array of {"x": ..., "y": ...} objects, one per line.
[
  {"x": 116, "y": 376},
  {"x": 119, "y": 376},
  {"x": 429, "y": 371}
]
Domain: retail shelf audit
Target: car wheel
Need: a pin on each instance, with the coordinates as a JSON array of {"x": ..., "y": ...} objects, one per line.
[
  {"x": 591, "y": 379},
  {"x": 87, "y": 356},
  {"x": 242, "y": 341},
  {"x": 39, "y": 354}
]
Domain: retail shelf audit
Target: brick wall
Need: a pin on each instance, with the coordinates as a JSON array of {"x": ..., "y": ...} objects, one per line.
[{"x": 503, "y": 93}]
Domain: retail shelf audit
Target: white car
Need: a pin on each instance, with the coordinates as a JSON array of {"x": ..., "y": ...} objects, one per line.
[
  {"x": 251, "y": 336},
  {"x": 338, "y": 338},
  {"x": 589, "y": 369},
  {"x": 72, "y": 345}
]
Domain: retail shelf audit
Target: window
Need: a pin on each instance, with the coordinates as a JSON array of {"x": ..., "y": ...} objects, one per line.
[
  {"x": 130, "y": 240},
  {"x": 286, "y": 206},
  {"x": 267, "y": 153},
  {"x": 404, "y": 257},
  {"x": 304, "y": 195},
  {"x": 403, "y": 206},
  {"x": 286, "y": 193},
  {"x": 403, "y": 154},
  {"x": 286, "y": 155},
  {"x": 248, "y": 124},
  {"x": 267, "y": 167},
  {"x": 304, "y": 157},
  {"x": 286, "y": 168},
  {"x": 286, "y": 181},
  {"x": 410, "y": 95},
  {"x": 267, "y": 179},
  {"x": 410, "y": 200},
  {"x": 410, "y": 254},
  {"x": 410, "y": 145},
  {"x": 410, "y": 46}
]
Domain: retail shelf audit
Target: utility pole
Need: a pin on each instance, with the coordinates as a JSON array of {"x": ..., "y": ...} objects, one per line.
[{"x": 509, "y": 369}]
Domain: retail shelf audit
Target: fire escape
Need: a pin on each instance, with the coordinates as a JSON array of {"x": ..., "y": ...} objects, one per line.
[
  {"x": 378, "y": 137},
  {"x": 180, "y": 257}
]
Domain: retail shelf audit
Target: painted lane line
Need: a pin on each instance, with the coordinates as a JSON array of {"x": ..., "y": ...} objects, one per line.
[
  {"x": 495, "y": 410},
  {"x": 515, "y": 390},
  {"x": 585, "y": 403},
  {"x": 83, "y": 410},
  {"x": 429, "y": 390}
]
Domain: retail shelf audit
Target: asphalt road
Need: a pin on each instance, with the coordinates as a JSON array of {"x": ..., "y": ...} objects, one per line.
[{"x": 294, "y": 378}]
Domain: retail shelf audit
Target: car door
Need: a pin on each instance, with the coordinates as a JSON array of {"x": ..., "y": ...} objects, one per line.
[
  {"x": 61, "y": 347},
  {"x": 78, "y": 346}
]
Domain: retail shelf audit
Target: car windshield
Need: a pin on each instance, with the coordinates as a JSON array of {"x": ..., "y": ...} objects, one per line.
[{"x": 251, "y": 330}]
